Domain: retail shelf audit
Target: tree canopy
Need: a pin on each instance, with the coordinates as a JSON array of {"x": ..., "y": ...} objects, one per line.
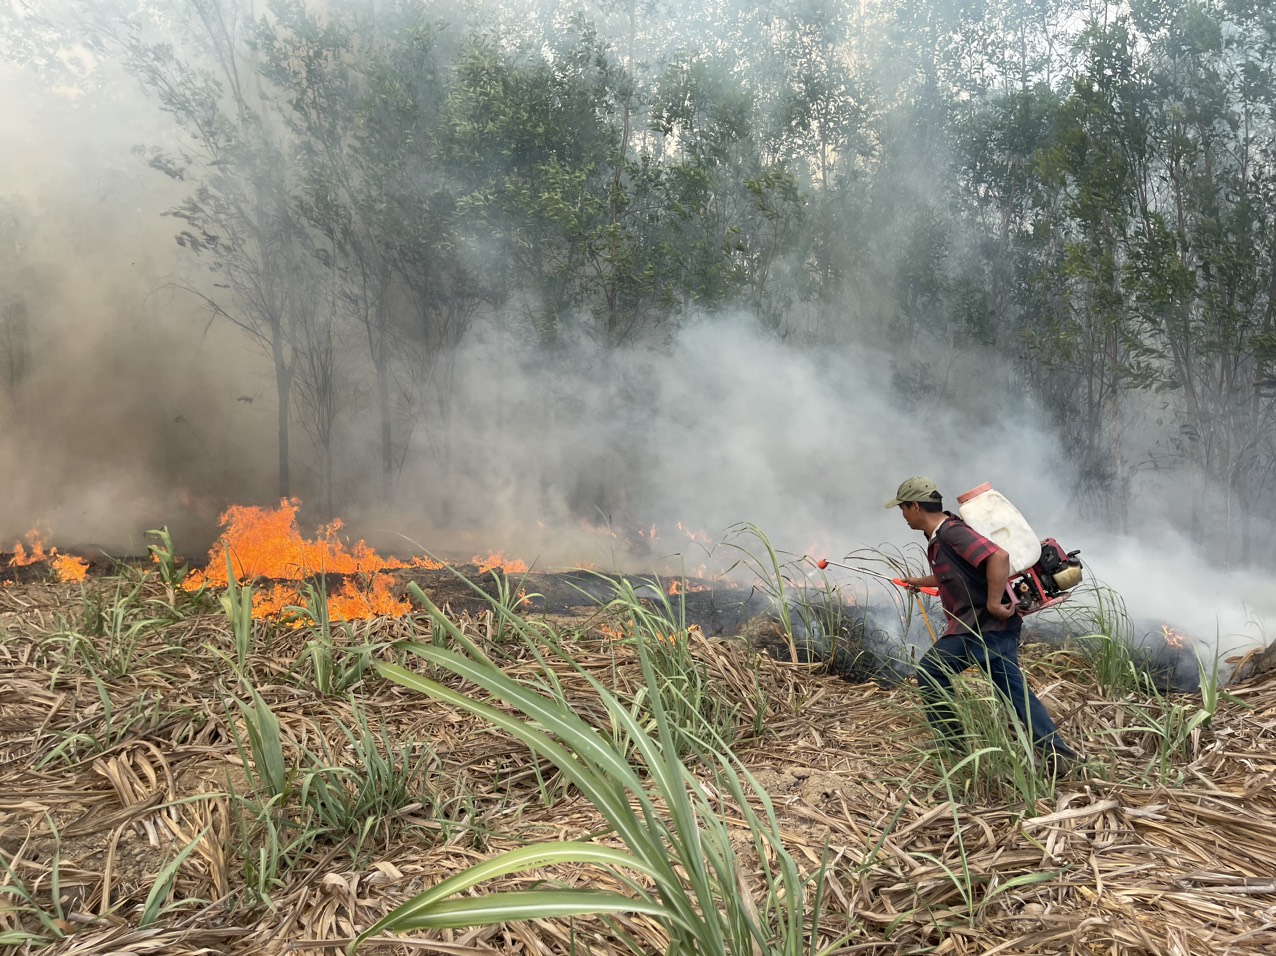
[{"x": 1085, "y": 193}]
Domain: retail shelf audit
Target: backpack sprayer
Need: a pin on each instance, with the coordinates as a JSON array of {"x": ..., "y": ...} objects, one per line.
[
  {"x": 1041, "y": 572},
  {"x": 1049, "y": 580}
]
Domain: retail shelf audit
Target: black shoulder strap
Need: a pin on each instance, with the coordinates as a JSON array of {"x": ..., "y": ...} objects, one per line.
[{"x": 976, "y": 582}]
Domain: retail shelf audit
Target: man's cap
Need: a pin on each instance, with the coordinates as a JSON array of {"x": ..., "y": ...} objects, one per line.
[{"x": 915, "y": 489}]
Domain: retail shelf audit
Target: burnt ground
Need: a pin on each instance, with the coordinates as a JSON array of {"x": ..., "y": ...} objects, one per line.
[{"x": 851, "y": 641}]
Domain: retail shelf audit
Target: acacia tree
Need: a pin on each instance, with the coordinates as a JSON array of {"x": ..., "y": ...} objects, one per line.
[{"x": 734, "y": 211}]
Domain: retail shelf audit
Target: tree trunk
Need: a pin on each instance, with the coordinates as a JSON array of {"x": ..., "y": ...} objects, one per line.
[
  {"x": 283, "y": 388},
  {"x": 383, "y": 407}
]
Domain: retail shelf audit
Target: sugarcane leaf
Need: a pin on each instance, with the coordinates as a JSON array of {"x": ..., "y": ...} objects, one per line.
[
  {"x": 520, "y": 905},
  {"x": 513, "y": 861}
]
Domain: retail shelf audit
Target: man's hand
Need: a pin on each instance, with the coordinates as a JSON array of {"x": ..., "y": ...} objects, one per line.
[
  {"x": 997, "y": 568},
  {"x": 1002, "y": 612}
]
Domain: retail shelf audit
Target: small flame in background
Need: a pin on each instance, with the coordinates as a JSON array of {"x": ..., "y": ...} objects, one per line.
[
  {"x": 682, "y": 587},
  {"x": 67, "y": 567},
  {"x": 265, "y": 543},
  {"x": 495, "y": 561},
  {"x": 1172, "y": 637},
  {"x": 625, "y": 632}
]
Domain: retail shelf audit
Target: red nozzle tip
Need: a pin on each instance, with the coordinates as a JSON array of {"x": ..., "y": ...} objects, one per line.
[{"x": 822, "y": 563}]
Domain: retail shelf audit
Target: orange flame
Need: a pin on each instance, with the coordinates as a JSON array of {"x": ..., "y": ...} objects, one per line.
[
  {"x": 70, "y": 568},
  {"x": 35, "y": 541},
  {"x": 265, "y": 543},
  {"x": 682, "y": 587},
  {"x": 1172, "y": 637},
  {"x": 495, "y": 561},
  {"x": 66, "y": 567}
]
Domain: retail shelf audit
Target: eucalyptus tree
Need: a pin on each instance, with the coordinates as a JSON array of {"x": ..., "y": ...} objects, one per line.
[
  {"x": 238, "y": 218},
  {"x": 820, "y": 122},
  {"x": 311, "y": 62},
  {"x": 1200, "y": 268},
  {"x": 1096, "y": 168},
  {"x": 364, "y": 91},
  {"x": 1148, "y": 252},
  {"x": 536, "y": 140},
  {"x": 438, "y": 277},
  {"x": 323, "y": 392}
]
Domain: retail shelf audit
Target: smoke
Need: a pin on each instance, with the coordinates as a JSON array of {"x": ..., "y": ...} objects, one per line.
[
  {"x": 136, "y": 413},
  {"x": 120, "y": 409},
  {"x": 650, "y": 460},
  {"x": 724, "y": 426}
]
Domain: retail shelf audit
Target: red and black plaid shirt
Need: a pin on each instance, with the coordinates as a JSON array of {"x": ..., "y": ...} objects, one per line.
[{"x": 957, "y": 553}]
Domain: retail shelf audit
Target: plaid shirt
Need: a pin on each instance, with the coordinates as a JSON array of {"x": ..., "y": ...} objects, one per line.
[{"x": 957, "y": 553}]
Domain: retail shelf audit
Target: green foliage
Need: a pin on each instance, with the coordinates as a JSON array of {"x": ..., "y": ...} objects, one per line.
[
  {"x": 1171, "y": 727},
  {"x": 360, "y": 800},
  {"x": 335, "y": 669},
  {"x": 996, "y": 760},
  {"x": 19, "y": 899},
  {"x": 679, "y": 864},
  {"x": 1109, "y": 642},
  {"x": 510, "y": 600},
  {"x": 807, "y": 604},
  {"x": 698, "y": 713},
  {"x": 158, "y": 902},
  {"x": 106, "y": 728},
  {"x": 1120, "y": 665},
  {"x": 170, "y": 568},
  {"x": 265, "y": 761},
  {"x": 344, "y": 795},
  {"x": 1094, "y": 201},
  {"x": 978, "y": 892},
  {"x": 237, "y": 604},
  {"x": 115, "y": 623}
]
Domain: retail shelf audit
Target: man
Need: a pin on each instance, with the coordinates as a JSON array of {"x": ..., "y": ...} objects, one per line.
[{"x": 984, "y": 625}]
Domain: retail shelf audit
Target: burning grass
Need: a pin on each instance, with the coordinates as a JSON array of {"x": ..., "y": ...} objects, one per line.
[{"x": 178, "y": 779}]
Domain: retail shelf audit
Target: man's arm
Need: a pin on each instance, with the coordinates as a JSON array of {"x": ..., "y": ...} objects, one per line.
[
  {"x": 997, "y": 568},
  {"x": 926, "y": 581}
]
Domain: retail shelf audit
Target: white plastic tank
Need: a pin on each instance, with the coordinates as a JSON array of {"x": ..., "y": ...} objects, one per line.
[{"x": 987, "y": 511}]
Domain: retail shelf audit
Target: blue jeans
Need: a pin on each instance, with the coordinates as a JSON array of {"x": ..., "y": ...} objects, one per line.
[{"x": 997, "y": 654}]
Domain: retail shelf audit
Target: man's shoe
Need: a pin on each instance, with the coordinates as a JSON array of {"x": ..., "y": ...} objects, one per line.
[{"x": 1059, "y": 760}]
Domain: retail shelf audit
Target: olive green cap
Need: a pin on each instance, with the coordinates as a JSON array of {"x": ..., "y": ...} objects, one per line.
[{"x": 915, "y": 489}]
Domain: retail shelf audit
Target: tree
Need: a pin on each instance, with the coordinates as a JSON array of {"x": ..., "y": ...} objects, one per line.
[
  {"x": 15, "y": 337},
  {"x": 1200, "y": 266},
  {"x": 1097, "y": 167},
  {"x": 238, "y": 218}
]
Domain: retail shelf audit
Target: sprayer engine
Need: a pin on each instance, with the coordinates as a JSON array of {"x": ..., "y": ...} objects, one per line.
[{"x": 1049, "y": 580}]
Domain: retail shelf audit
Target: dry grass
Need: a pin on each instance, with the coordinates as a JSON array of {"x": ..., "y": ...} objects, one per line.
[{"x": 1122, "y": 859}]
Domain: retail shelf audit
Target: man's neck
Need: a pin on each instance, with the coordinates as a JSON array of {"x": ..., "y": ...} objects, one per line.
[{"x": 932, "y": 523}]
